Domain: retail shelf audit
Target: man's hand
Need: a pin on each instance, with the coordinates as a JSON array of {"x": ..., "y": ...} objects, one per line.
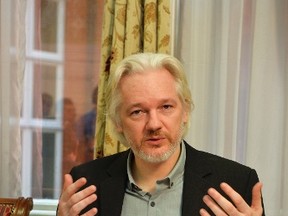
[
  {"x": 221, "y": 206},
  {"x": 73, "y": 201}
]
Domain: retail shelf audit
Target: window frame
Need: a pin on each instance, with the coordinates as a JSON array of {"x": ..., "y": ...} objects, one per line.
[{"x": 30, "y": 124}]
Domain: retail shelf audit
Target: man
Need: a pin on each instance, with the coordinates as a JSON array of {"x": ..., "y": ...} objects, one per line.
[
  {"x": 86, "y": 130},
  {"x": 149, "y": 102},
  {"x": 70, "y": 140}
]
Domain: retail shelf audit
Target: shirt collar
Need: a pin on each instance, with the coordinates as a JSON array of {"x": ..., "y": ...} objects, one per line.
[{"x": 173, "y": 177}]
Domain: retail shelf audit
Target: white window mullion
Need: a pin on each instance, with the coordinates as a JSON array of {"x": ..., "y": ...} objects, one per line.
[
  {"x": 59, "y": 93},
  {"x": 58, "y": 165},
  {"x": 30, "y": 26},
  {"x": 60, "y": 28},
  {"x": 27, "y": 146},
  {"x": 28, "y": 92}
]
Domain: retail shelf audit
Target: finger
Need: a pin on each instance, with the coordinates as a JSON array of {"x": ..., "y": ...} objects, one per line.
[
  {"x": 257, "y": 197},
  {"x": 72, "y": 200},
  {"x": 71, "y": 189},
  {"x": 80, "y": 205},
  {"x": 223, "y": 203},
  {"x": 77, "y": 202},
  {"x": 203, "y": 212},
  {"x": 91, "y": 212},
  {"x": 83, "y": 195},
  {"x": 63, "y": 208},
  {"x": 236, "y": 198},
  {"x": 215, "y": 207},
  {"x": 67, "y": 181}
]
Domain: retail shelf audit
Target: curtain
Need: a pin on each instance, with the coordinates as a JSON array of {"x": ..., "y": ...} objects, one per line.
[
  {"x": 12, "y": 64},
  {"x": 129, "y": 26},
  {"x": 236, "y": 56}
]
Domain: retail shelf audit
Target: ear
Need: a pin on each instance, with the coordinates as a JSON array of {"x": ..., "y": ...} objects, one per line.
[{"x": 185, "y": 117}]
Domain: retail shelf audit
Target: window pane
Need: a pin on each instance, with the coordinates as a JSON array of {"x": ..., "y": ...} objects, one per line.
[
  {"x": 48, "y": 27},
  {"x": 60, "y": 92},
  {"x": 47, "y": 75},
  {"x": 48, "y": 156}
]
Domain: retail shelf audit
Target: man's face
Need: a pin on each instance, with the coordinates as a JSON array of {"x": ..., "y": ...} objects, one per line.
[{"x": 151, "y": 115}]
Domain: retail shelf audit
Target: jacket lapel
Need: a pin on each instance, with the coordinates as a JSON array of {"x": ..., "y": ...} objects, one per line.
[
  {"x": 195, "y": 182},
  {"x": 112, "y": 190}
]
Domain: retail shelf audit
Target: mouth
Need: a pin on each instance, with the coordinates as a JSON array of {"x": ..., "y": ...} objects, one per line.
[{"x": 154, "y": 140}]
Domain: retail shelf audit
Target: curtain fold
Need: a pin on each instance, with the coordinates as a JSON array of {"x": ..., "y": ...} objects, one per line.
[
  {"x": 236, "y": 54},
  {"x": 12, "y": 30},
  {"x": 129, "y": 26}
]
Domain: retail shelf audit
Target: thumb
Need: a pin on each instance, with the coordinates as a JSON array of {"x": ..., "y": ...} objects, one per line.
[{"x": 257, "y": 196}]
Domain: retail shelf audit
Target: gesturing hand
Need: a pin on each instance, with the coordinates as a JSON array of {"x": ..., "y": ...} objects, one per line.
[
  {"x": 219, "y": 205},
  {"x": 73, "y": 201}
]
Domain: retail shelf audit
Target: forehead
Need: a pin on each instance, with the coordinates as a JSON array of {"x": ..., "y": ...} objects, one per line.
[{"x": 150, "y": 84}]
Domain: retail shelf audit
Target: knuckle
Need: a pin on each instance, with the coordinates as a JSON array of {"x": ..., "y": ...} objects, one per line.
[
  {"x": 230, "y": 209},
  {"x": 73, "y": 210},
  {"x": 238, "y": 201}
]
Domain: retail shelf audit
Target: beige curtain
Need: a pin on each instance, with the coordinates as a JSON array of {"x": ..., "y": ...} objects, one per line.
[
  {"x": 236, "y": 53},
  {"x": 12, "y": 66},
  {"x": 129, "y": 26}
]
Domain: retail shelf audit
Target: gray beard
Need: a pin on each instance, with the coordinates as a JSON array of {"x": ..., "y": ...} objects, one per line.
[{"x": 160, "y": 157}]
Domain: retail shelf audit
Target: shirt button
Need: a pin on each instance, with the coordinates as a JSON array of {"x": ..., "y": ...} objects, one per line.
[{"x": 152, "y": 204}]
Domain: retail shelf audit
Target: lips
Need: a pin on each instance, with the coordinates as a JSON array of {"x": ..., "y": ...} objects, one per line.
[
  {"x": 154, "y": 140},
  {"x": 154, "y": 137}
]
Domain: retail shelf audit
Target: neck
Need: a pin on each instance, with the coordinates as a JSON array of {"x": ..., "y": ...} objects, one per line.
[{"x": 146, "y": 174}]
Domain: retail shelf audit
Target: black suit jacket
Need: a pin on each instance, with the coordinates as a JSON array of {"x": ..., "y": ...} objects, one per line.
[{"x": 202, "y": 171}]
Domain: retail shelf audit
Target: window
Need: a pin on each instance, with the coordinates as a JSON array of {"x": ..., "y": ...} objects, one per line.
[
  {"x": 60, "y": 91},
  {"x": 42, "y": 113}
]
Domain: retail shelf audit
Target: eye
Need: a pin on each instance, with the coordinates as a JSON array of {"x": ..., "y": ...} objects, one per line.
[
  {"x": 136, "y": 112},
  {"x": 167, "y": 106}
]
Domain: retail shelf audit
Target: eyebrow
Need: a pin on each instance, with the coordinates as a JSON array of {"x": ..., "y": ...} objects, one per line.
[{"x": 163, "y": 101}]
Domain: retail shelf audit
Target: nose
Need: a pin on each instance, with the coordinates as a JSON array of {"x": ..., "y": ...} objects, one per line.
[{"x": 153, "y": 121}]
